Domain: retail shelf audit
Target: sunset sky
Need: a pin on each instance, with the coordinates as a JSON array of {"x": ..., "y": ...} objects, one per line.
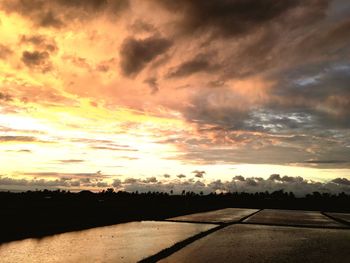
[{"x": 187, "y": 94}]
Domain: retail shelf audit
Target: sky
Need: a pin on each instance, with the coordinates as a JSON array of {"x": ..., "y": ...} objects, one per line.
[{"x": 225, "y": 95}]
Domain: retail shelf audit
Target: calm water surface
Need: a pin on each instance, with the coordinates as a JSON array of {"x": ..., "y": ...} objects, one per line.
[{"x": 128, "y": 242}]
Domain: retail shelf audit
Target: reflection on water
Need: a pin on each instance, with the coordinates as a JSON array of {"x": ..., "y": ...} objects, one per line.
[
  {"x": 223, "y": 215},
  {"x": 293, "y": 217},
  {"x": 128, "y": 242}
]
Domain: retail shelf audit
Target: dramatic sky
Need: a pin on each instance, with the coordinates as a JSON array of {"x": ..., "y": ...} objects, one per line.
[{"x": 188, "y": 94}]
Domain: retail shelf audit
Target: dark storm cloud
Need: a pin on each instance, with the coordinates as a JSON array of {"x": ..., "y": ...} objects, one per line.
[
  {"x": 258, "y": 48},
  {"x": 200, "y": 63},
  {"x": 260, "y": 51},
  {"x": 323, "y": 95},
  {"x": 330, "y": 42},
  {"x": 137, "y": 53},
  {"x": 231, "y": 18},
  {"x": 58, "y": 13},
  {"x": 310, "y": 98}
]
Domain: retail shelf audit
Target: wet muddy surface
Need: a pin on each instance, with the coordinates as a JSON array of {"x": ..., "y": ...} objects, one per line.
[
  {"x": 224, "y": 215},
  {"x": 293, "y": 217},
  {"x": 256, "y": 243}
]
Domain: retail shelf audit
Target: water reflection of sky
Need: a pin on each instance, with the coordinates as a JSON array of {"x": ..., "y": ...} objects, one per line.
[{"x": 128, "y": 242}]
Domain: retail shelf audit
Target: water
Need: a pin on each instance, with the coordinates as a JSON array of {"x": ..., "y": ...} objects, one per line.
[{"x": 128, "y": 242}]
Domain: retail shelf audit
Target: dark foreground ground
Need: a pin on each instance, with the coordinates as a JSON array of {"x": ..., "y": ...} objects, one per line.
[{"x": 43, "y": 213}]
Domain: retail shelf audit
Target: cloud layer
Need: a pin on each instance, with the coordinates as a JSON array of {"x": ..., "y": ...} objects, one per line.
[
  {"x": 298, "y": 185},
  {"x": 153, "y": 87}
]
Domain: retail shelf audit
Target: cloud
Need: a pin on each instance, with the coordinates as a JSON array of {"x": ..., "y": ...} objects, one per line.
[
  {"x": 40, "y": 41},
  {"x": 238, "y": 178},
  {"x": 63, "y": 183},
  {"x": 219, "y": 107},
  {"x": 260, "y": 81},
  {"x": 286, "y": 179},
  {"x": 13, "y": 138},
  {"x": 49, "y": 19},
  {"x": 114, "y": 148},
  {"x": 6, "y": 181},
  {"x": 297, "y": 185},
  {"x": 153, "y": 84},
  {"x": 326, "y": 161},
  {"x": 71, "y": 161},
  {"x": 276, "y": 177},
  {"x": 130, "y": 181},
  {"x": 341, "y": 181},
  {"x": 200, "y": 63},
  {"x": 117, "y": 183},
  {"x": 5, "y": 51},
  {"x": 175, "y": 186},
  {"x": 37, "y": 60},
  {"x": 89, "y": 176},
  {"x": 140, "y": 26},
  {"x": 198, "y": 174},
  {"x": 109, "y": 145},
  {"x": 150, "y": 180},
  {"x": 60, "y": 13},
  {"x": 230, "y": 18},
  {"x": 137, "y": 53},
  {"x": 5, "y": 97},
  {"x": 181, "y": 176},
  {"x": 102, "y": 184},
  {"x": 20, "y": 151}
]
